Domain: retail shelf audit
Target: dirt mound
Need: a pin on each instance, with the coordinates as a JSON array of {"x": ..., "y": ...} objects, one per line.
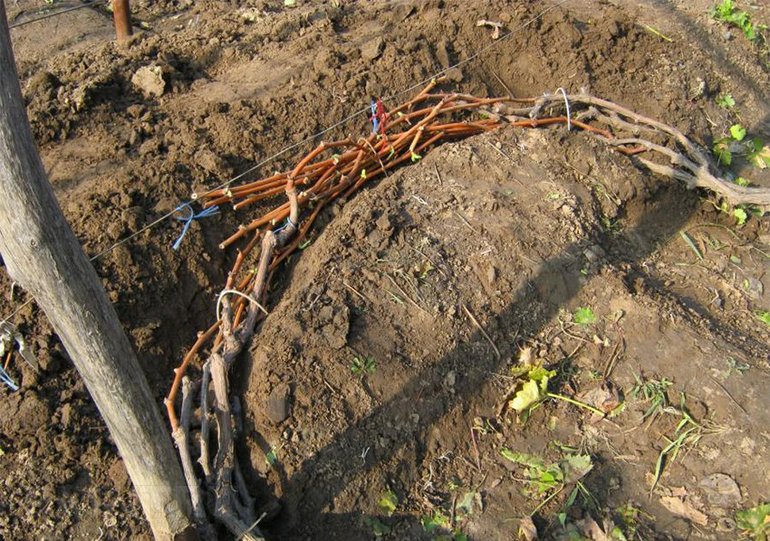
[{"x": 514, "y": 231}]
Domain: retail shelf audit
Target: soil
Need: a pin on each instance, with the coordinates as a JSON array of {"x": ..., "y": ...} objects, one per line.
[{"x": 446, "y": 274}]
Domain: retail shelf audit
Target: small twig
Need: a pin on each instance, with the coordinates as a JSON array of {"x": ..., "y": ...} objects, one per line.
[
  {"x": 505, "y": 86},
  {"x": 405, "y": 294},
  {"x": 611, "y": 363},
  {"x": 730, "y": 396},
  {"x": 465, "y": 221},
  {"x": 438, "y": 175},
  {"x": 476, "y": 450},
  {"x": 483, "y": 332},
  {"x": 354, "y": 290}
]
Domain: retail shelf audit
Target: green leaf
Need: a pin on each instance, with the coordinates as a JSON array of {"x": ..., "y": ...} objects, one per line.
[
  {"x": 726, "y": 101},
  {"x": 459, "y": 536},
  {"x": 271, "y": 458},
  {"x": 584, "y": 316},
  {"x": 691, "y": 244},
  {"x": 755, "y": 520},
  {"x": 430, "y": 523},
  {"x": 740, "y": 181},
  {"x": 759, "y": 155},
  {"x": 378, "y": 528},
  {"x": 723, "y": 10},
  {"x": 416, "y": 157},
  {"x": 764, "y": 317},
  {"x": 541, "y": 376},
  {"x": 575, "y": 467},
  {"x": 722, "y": 152},
  {"x": 740, "y": 216},
  {"x": 524, "y": 459},
  {"x": 388, "y": 503},
  {"x": 737, "y": 132},
  {"x": 526, "y": 397},
  {"x": 465, "y": 505}
]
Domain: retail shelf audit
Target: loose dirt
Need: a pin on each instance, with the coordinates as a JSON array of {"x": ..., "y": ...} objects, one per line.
[{"x": 445, "y": 274}]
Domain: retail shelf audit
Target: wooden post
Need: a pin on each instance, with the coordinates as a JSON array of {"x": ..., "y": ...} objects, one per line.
[
  {"x": 43, "y": 255},
  {"x": 121, "y": 14}
]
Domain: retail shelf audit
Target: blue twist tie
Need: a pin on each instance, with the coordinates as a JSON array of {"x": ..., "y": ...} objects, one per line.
[
  {"x": 211, "y": 211},
  {"x": 375, "y": 120},
  {"x": 5, "y": 378},
  {"x": 287, "y": 224}
]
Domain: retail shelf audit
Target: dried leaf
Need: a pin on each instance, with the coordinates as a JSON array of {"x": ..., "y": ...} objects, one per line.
[
  {"x": 527, "y": 529},
  {"x": 684, "y": 509},
  {"x": 591, "y": 529},
  {"x": 602, "y": 398}
]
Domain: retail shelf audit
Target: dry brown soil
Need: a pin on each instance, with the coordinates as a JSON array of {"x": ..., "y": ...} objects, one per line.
[{"x": 518, "y": 228}]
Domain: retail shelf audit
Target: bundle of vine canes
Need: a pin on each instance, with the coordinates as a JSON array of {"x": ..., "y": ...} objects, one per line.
[{"x": 334, "y": 171}]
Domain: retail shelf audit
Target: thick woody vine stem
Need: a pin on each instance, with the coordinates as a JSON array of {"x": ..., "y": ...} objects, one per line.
[{"x": 335, "y": 170}]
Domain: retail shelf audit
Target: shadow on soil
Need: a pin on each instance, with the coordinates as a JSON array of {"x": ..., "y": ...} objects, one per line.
[{"x": 660, "y": 223}]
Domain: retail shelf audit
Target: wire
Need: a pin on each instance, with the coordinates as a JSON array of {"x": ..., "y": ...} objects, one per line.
[
  {"x": 419, "y": 84},
  {"x": 60, "y": 12},
  {"x": 283, "y": 151}
]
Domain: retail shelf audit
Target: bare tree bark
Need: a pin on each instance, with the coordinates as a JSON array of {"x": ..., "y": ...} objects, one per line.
[{"x": 42, "y": 253}]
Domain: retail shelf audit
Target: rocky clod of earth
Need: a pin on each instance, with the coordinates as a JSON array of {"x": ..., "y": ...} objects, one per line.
[{"x": 150, "y": 80}]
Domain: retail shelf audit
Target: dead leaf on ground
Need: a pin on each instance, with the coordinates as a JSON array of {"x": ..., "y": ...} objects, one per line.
[
  {"x": 602, "y": 397},
  {"x": 527, "y": 529},
  {"x": 591, "y": 529},
  {"x": 684, "y": 509}
]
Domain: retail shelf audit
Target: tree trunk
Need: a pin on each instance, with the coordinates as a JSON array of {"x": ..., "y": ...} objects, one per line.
[
  {"x": 43, "y": 255},
  {"x": 121, "y": 14}
]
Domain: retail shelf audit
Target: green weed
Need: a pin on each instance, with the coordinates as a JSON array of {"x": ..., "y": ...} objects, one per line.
[
  {"x": 688, "y": 433},
  {"x": 550, "y": 479},
  {"x": 378, "y": 527},
  {"x": 388, "y": 503},
  {"x": 584, "y": 316},
  {"x": 764, "y": 317},
  {"x": 754, "y": 523},
  {"x": 726, "y": 12},
  {"x": 736, "y": 366},
  {"x": 726, "y": 101},
  {"x": 653, "y": 391},
  {"x": 363, "y": 365}
]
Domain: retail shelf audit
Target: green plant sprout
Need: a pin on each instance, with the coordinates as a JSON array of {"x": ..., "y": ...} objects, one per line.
[
  {"x": 584, "y": 316},
  {"x": 550, "y": 479},
  {"x": 754, "y": 523},
  {"x": 726, "y": 12},
  {"x": 363, "y": 365},
  {"x": 764, "y": 317},
  {"x": 653, "y": 391},
  {"x": 378, "y": 528},
  {"x": 688, "y": 433},
  {"x": 433, "y": 524},
  {"x": 726, "y": 101},
  {"x": 756, "y": 151},
  {"x": 388, "y": 503},
  {"x": 736, "y": 366}
]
